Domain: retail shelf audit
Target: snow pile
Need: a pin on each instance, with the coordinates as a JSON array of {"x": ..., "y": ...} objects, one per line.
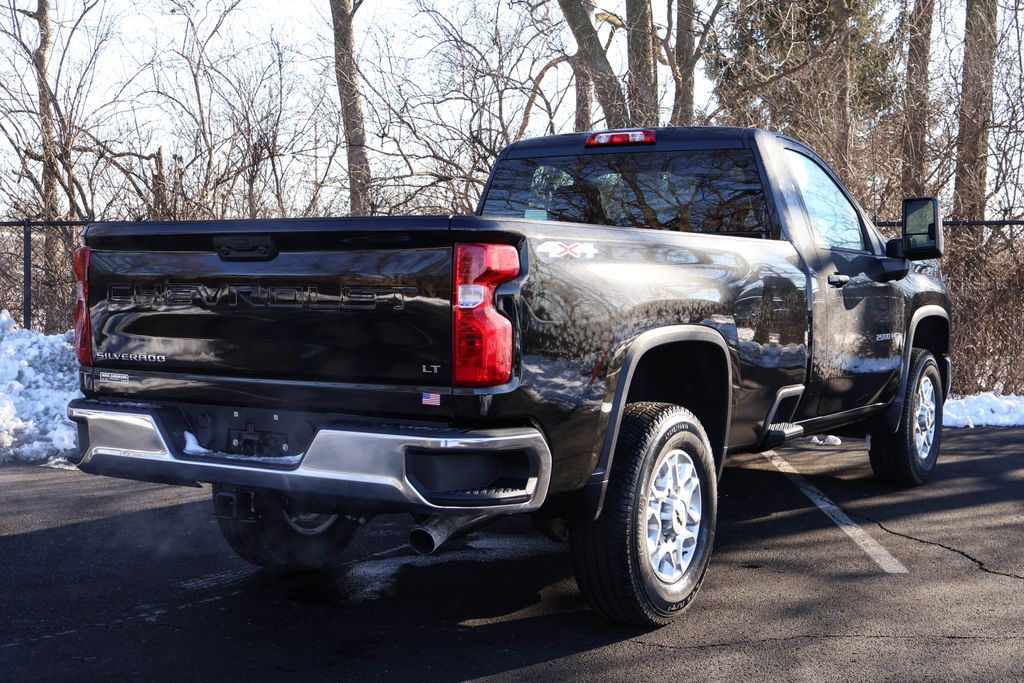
[
  {"x": 984, "y": 410},
  {"x": 38, "y": 376}
]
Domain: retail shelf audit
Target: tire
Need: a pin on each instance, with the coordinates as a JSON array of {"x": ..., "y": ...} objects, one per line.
[
  {"x": 907, "y": 456},
  {"x": 614, "y": 568},
  {"x": 280, "y": 539}
]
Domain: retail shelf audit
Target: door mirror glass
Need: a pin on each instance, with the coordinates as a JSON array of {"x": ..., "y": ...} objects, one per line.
[{"x": 922, "y": 228}]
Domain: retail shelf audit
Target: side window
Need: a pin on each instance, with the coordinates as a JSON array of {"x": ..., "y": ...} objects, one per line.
[{"x": 833, "y": 219}]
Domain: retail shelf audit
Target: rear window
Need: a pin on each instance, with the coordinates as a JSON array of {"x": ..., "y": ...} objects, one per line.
[{"x": 709, "y": 191}]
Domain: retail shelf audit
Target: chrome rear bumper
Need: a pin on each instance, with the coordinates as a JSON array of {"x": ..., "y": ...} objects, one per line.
[{"x": 350, "y": 465}]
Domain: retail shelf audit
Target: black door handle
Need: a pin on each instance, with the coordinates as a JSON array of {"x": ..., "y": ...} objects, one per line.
[{"x": 838, "y": 280}]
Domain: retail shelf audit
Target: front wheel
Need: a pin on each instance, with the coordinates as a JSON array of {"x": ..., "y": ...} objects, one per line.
[
  {"x": 907, "y": 456},
  {"x": 643, "y": 560},
  {"x": 285, "y": 538}
]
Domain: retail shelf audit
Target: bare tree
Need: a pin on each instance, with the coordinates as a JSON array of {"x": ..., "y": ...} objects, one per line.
[
  {"x": 843, "y": 77},
  {"x": 592, "y": 57},
  {"x": 347, "y": 75},
  {"x": 643, "y": 75},
  {"x": 46, "y": 124},
  {"x": 1006, "y": 140},
  {"x": 493, "y": 76},
  {"x": 975, "y": 108},
  {"x": 45, "y": 116},
  {"x": 584, "y": 119},
  {"x": 40, "y": 65},
  {"x": 916, "y": 106},
  {"x": 689, "y": 48},
  {"x": 248, "y": 132}
]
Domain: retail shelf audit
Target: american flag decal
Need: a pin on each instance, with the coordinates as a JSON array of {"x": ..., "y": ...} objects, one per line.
[{"x": 431, "y": 399}]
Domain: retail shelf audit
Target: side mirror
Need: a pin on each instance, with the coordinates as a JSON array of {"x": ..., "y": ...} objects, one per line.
[{"x": 922, "y": 229}]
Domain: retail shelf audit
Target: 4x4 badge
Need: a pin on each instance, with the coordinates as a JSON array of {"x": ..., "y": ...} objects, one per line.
[{"x": 553, "y": 249}]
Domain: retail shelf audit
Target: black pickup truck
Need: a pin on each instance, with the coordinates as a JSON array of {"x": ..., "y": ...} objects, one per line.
[{"x": 624, "y": 310}]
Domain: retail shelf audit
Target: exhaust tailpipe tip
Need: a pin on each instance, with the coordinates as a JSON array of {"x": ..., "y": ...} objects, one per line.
[
  {"x": 423, "y": 542},
  {"x": 436, "y": 531}
]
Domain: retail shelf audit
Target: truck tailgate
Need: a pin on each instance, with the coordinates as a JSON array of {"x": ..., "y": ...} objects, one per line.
[{"x": 356, "y": 300}]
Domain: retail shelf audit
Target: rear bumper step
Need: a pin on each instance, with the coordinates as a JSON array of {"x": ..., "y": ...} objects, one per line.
[{"x": 347, "y": 465}]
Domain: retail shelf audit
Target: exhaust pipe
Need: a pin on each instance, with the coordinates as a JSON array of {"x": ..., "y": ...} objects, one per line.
[{"x": 432, "y": 534}]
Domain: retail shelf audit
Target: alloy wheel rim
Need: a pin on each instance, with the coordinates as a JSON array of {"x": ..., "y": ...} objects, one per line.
[
  {"x": 924, "y": 424},
  {"x": 673, "y": 515}
]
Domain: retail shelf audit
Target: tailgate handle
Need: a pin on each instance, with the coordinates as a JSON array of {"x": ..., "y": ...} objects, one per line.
[{"x": 259, "y": 248}]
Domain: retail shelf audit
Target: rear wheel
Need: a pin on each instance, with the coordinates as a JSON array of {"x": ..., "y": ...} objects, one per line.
[
  {"x": 907, "y": 457},
  {"x": 643, "y": 560},
  {"x": 285, "y": 537}
]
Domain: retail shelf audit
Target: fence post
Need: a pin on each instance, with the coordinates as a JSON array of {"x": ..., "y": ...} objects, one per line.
[{"x": 26, "y": 272}]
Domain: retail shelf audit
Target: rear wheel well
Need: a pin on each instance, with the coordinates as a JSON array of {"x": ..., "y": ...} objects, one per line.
[{"x": 692, "y": 374}]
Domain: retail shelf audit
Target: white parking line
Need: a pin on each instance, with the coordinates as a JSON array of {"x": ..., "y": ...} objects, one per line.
[{"x": 873, "y": 548}]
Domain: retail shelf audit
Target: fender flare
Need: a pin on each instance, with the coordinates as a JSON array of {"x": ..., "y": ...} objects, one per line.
[
  {"x": 894, "y": 413},
  {"x": 597, "y": 485}
]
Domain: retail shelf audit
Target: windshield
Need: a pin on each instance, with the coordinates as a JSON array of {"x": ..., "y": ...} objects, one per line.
[{"x": 710, "y": 191}]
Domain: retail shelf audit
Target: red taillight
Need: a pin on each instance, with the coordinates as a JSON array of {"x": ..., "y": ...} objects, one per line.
[
  {"x": 83, "y": 326},
  {"x": 481, "y": 336},
  {"x": 620, "y": 137}
]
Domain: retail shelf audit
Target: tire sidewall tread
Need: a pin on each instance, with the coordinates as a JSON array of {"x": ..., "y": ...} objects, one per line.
[
  {"x": 609, "y": 553},
  {"x": 893, "y": 455}
]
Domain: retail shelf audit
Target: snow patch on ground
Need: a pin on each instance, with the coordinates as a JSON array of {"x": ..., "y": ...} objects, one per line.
[
  {"x": 38, "y": 376},
  {"x": 984, "y": 410},
  {"x": 59, "y": 464}
]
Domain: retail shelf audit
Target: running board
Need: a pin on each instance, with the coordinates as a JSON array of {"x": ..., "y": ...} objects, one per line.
[
  {"x": 779, "y": 432},
  {"x": 777, "y": 427}
]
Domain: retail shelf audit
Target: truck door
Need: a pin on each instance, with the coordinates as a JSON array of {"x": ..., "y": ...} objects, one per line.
[{"x": 855, "y": 354}]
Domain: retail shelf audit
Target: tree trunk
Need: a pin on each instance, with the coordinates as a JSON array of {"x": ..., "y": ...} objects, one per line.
[
  {"x": 841, "y": 154},
  {"x": 50, "y": 263},
  {"x": 40, "y": 57},
  {"x": 351, "y": 107},
  {"x": 975, "y": 109},
  {"x": 682, "y": 104},
  {"x": 643, "y": 79},
  {"x": 160, "y": 209},
  {"x": 584, "y": 94},
  {"x": 917, "y": 108},
  {"x": 590, "y": 53}
]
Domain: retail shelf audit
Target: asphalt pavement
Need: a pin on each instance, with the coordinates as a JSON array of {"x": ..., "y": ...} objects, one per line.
[{"x": 109, "y": 579}]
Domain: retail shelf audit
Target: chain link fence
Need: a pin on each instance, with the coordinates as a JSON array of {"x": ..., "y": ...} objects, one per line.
[
  {"x": 983, "y": 268},
  {"x": 37, "y": 283}
]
